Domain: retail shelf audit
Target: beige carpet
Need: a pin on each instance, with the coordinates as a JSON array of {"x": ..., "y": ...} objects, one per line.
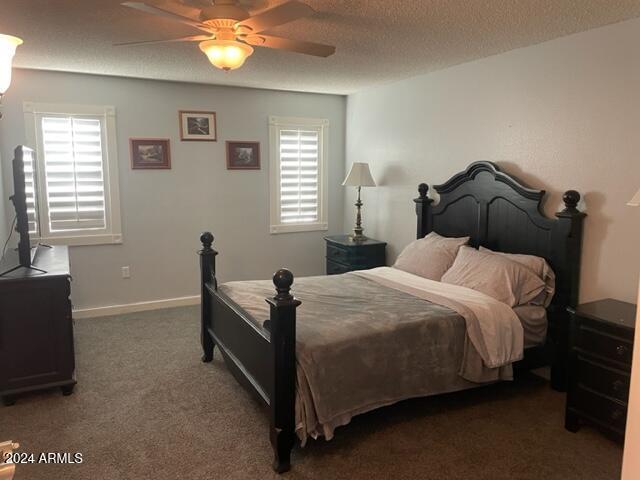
[{"x": 146, "y": 408}]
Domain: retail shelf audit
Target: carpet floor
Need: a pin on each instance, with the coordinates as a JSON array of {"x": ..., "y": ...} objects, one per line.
[{"x": 145, "y": 407}]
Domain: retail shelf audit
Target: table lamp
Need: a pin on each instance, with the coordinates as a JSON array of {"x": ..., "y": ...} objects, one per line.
[
  {"x": 359, "y": 176},
  {"x": 635, "y": 201}
]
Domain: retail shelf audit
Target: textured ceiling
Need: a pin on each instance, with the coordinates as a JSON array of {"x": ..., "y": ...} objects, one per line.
[{"x": 377, "y": 41}]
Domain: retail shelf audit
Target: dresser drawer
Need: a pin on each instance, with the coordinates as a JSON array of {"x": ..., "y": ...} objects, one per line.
[
  {"x": 334, "y": 268},
  {"x": 608, "y": 381},
  {"x": 337, "y": 254},
  {"x": 604, "y": 411},
  {"x": 607, "y": 346}
]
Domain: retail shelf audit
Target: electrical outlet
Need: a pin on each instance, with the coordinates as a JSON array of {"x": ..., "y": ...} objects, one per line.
[{"x": 126, "y": 273}]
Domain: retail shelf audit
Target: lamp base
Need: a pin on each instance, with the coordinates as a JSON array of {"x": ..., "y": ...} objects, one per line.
[{"x": 357, "y": 235}]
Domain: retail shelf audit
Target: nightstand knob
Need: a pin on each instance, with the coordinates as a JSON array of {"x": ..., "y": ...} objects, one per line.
[
  {"x": 617, "y": 386},
  {"x": 622, "y": 350}
]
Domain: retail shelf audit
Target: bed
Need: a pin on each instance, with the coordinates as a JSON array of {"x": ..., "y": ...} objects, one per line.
[{"x": 359, "y": 340}]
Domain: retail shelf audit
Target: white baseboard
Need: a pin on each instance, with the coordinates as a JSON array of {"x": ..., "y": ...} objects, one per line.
[{"x": 135, "y": 307}]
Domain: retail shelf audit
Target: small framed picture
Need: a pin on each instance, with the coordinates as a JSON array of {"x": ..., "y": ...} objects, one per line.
[
  {"x": 198, "y": 126},
  {"x": 150, "y": 153},
  {"x": 243, "y": 155}
]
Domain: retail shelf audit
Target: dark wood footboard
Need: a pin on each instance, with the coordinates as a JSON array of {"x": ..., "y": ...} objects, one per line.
[{"x": 263, "y": 360}]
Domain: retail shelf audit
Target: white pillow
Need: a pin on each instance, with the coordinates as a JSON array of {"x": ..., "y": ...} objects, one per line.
[
  {"x": 494, "y": 275},
  {"x": 430, "y": 257},
  {"x": 541, "y": 268}
]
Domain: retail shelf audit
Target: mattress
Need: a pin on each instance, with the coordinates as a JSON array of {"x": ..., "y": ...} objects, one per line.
[{"x": 361, "y": 345}]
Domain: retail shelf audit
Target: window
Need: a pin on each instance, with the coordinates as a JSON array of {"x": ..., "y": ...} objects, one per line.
[
  {"x": 298, "y": 174},
  {"x": 76, "y": 175}
]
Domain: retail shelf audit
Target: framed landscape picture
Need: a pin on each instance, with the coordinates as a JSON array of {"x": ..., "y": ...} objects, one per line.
[
  {"x": 243, "y": 155},
  {"x": 150, "y": 153},
  {"x": 198, "y": 126}
]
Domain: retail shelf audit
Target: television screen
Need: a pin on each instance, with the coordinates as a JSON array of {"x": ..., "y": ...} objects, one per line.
[{"x": 24, "y": 201}]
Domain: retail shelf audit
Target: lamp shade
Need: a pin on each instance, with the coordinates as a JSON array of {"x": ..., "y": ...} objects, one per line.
[
  {"x": 359, "y": 176},
  {"x": 8, "y": 45},
  {"x": 226, "y": 54},
  {"x": 635, "y": 201}
]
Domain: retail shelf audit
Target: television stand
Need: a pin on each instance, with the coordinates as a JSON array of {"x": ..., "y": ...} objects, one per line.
[
  {"x": 36, "y": 327},
  {"x": 18, "y": 267},
  {"x": 34, "y": 253}
]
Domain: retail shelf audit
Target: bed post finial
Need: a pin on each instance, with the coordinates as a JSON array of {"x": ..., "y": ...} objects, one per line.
[
  {"x": 283, "y": 279},
  {"x": 207, "y": 277},
  {"x": 282, "y": 325},
  {"x": 571, "y": 199},
  {"x": 206, "y": 238},
  {"x": 423, "y": 210}
]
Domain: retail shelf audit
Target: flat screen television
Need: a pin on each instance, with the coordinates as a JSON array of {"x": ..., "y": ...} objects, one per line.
[{"x": 24, "y": 200}]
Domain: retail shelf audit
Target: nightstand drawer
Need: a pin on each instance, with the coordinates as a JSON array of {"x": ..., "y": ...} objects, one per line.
[
  {"x": 337, "y": 254},
  {"x": 334, "y": 268},
  {"x": 604, "y": 345},
  {"x": 607, "y": 412},
  {"x": 601, "y": 379}
]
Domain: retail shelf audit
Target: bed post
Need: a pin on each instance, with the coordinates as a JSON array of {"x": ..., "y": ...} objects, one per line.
[
  {"x": 207, "y": 276},
  {"x": 423, "y": 209},
  {"x": 283, "y": 388},
  {"x": 567, "y": 291}
]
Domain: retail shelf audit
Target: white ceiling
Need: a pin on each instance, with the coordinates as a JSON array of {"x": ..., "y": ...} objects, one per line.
[{"x": 377, "y": 41}]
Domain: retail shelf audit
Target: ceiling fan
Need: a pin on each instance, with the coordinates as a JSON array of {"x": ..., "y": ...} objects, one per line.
[{"x": 230, "y": 31}]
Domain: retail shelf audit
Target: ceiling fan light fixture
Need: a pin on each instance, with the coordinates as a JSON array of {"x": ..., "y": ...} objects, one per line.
[{"x": 226, "y": 54}]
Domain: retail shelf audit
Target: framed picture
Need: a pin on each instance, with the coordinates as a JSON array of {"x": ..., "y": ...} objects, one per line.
[
  {"x": 198, "y": 126},
  {"x": 150, "y": 153},
  {"x": 243, "y": 155}
]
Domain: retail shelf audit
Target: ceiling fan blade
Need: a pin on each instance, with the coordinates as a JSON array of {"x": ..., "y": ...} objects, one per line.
[
  {"x": 163, "y": 12},
  {"x": 284, "y": 13},
  {"x": 179, "y": 8},
  {"x": 192, "y": 38},
  {"x": 308, "y": 48}
]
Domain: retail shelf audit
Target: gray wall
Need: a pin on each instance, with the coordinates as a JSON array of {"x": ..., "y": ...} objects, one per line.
[
  {"x": 163, "y": 212},
  {"x": 559, "y": 115}
]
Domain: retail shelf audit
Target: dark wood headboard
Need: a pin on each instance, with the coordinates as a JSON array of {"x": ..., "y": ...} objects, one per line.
[{"x": 499, "y": 212}]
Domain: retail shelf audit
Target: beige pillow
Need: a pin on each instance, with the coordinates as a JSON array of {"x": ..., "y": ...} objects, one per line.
[
  {"x": 431, "y": 256},
  {"x": 494, "y": 275},
  {"x": 541, "y": 268}
]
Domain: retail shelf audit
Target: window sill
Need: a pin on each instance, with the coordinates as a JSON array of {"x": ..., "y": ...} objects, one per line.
[
  {"x": 78, "y": 241},
  {"x": 306, "y": 227}
]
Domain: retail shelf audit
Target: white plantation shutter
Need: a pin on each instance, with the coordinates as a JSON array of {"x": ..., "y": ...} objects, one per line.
[
  {"x": 73, "y": 160},
  {"x": 299, "y": 176},
  {"x": 298, "y": 172},
  {"x": 76, "y": 173}
]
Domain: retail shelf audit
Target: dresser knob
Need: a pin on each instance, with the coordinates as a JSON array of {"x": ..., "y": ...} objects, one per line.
[
  {"x": 622, "y": 350},
  {"x": 617, "y": 386},
  {"x": 616, "y": 414}
]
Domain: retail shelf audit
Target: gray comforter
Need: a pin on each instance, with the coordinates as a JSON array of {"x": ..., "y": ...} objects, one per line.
[{"x": 362, "y": 345}]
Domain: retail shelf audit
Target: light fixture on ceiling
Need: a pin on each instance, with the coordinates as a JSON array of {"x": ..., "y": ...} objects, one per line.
[
  {"x": 8, "y": 45},
  {"x": 226, "y": 54},
  {"x": 231, "y": 31}
]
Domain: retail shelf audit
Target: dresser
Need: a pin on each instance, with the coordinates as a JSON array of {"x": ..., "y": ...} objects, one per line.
[
  {"x": 345, "y": 255},
  {"x": 601, "y": 349},
  {"x": 36, "y": 327}
]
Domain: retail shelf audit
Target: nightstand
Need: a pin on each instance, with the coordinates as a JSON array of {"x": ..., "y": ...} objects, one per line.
[
  {"x": 601, "y": 348},
  {"x": 345, "y": 255}
]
